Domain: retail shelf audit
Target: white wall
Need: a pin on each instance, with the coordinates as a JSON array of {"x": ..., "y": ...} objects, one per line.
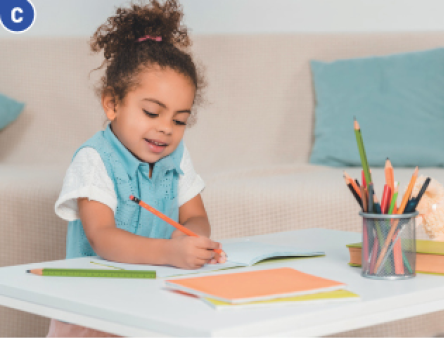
[{"x": 82, "y": 17}]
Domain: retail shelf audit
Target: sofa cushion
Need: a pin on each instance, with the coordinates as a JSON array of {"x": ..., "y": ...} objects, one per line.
[
  {"x": 10, "y": 109},
  {"x": 398, "y": 101}
]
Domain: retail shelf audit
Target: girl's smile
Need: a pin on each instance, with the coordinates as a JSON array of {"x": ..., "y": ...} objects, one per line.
[{"x": 156, "y": 146}]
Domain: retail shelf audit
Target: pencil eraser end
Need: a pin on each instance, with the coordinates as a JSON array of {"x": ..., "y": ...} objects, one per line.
[{"x": 131, "y": 197}]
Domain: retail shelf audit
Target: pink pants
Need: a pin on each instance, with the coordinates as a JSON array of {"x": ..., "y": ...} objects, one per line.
[{"x": 61, "y": 329}]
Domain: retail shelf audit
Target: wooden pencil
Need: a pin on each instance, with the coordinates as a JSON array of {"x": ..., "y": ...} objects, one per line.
[
  {"x": 349, "y": 185},
  {"x": 167, "y": 219},
  {"x": 364, "y": 199},
  {"x": 353, "y": 183},
  {"x": 390, "y": 175},
  {"x": 362, "y": 153}
]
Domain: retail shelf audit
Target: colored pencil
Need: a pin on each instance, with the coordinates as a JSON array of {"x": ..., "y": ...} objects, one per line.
[
  {"x": 167, "y": 219},
  {"x": 394, "y": 198},
  {"x": 399, "y": 256},
  {"x": 377, "y": 210},
  {"x": 423, "y": 189},
  {"x": 364, "y": 182},
  {"x": 389, "y": 175},
  {"x": 408, "y": 192},
  {"x": 389, "y": 238},
  {"x": 370, "y": 198},
  {"x": 417, "y": 199},
  {"x": 362, "y": 154},
  {"x": 349, "y": 185},
  {"x": 364, "y": 198},
  {"x": 353, "y": 183},
  {"x": 376, "y": 204},
  {"x": 365, "y": 227},
  {"x": 385, "y": 201},
  {"x": 374, "y": 254}
]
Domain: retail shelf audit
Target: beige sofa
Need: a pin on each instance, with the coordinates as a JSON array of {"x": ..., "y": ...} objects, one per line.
[{"x": 251, "y": 144}]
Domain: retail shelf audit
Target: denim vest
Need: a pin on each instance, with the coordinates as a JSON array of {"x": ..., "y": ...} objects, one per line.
[{"x": 131, "y": 177}]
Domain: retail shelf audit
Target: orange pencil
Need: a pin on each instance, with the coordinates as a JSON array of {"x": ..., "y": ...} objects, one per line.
[
  {"x": 354, "y": 185},
  {"x": 386, "y": 198},
  {"x": 167, "y": 219},
  {"x": 401, "y": 208},
  {"x": 389, "y": 177}
]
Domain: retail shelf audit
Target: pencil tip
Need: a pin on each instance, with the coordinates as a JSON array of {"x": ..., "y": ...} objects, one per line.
[{"x": 28, "y": 271}]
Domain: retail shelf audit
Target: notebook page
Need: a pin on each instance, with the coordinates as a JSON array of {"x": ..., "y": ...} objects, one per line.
[{"x": 247, "y": 252}]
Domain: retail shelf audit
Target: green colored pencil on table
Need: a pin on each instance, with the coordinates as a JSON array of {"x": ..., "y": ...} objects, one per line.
[
  {"x": 94, "y": 273},
  {"x": 362, "y": 154}
]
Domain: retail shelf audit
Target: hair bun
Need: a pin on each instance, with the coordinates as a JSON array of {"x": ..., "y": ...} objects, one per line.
[{"x": 130, "y": 24}]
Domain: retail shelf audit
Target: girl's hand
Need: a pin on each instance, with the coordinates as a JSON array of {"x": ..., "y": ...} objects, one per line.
[
  {"x": 189, "y": 252},
  {"x": 218, "y": 258}
]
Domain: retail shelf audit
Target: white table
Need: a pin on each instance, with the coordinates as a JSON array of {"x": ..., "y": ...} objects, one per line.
[{"x": 132, "y": 307}]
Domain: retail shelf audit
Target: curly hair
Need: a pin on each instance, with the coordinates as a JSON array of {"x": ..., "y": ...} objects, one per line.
[{"x": 125, "y": 57}]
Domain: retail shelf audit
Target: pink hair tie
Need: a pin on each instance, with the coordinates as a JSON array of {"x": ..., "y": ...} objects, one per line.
[{"x": 149, "y": 37}]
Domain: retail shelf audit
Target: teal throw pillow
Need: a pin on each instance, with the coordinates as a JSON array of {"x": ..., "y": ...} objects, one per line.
[
  {"x": 9, "y": 110},
  {"x": 398, "y": 101}
]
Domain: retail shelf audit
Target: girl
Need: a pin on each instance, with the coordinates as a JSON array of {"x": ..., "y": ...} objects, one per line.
[{"x": 148, "y": 92}]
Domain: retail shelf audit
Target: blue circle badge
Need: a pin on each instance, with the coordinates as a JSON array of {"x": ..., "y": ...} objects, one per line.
[{"x": 17, "y": 16}]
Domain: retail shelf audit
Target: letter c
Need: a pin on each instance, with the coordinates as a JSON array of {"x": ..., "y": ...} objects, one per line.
[{"x": 14, "y": 17}]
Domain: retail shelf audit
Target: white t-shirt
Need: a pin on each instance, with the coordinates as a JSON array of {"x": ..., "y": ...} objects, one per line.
[{"x": 87, "y": 177}]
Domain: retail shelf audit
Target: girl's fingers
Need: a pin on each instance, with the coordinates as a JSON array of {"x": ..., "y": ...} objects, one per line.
[
  {"x": 200, "y": 262},
  {"x": 222, "y": 259},
  {"x": 206, "y": 254}
]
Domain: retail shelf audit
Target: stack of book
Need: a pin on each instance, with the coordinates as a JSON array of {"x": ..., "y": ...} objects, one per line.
[
  {"x": 259, "y": 288},
  {"x": 429, "y": 256}
]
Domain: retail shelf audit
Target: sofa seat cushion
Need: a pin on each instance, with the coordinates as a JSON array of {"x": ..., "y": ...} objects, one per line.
[{"x": 31, "y": 232}]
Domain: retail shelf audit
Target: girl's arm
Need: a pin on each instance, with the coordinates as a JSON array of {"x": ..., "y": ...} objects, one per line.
[
  {"x": 192, "y": 215},
  {"x": 119, "y": 245}
]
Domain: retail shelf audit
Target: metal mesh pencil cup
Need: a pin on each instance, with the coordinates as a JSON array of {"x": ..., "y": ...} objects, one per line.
[{"x": 388, "y": 246}]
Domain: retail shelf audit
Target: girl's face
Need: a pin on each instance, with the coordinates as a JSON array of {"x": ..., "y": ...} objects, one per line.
[{"x": 151, "y": 120}]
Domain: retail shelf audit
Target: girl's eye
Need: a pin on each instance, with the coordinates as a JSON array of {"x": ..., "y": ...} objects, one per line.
[
  {"x": 180, "y": 123},
  {"x": 150, "y": 114}
]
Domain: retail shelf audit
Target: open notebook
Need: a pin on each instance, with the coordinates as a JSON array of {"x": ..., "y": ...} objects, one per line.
[{"x": 240, "y": 253}]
